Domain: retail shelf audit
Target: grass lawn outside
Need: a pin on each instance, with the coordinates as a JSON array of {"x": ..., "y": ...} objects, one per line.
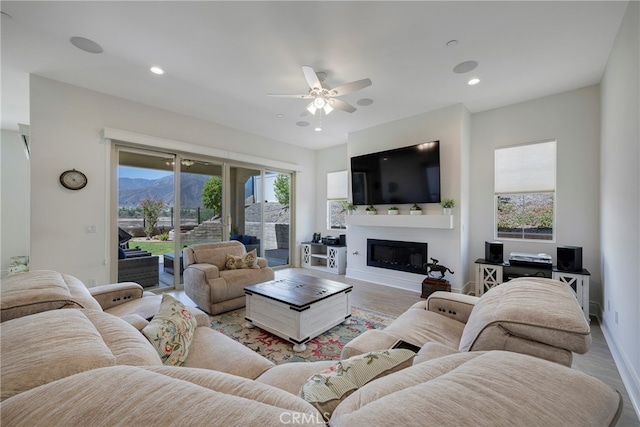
[{"x": 158, "y": 247}]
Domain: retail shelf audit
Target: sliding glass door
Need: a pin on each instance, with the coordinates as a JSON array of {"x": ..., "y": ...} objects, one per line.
[
  {"x": 201, "y": 209},
  {"x": 217, "y": 202},
  {"x": 259, "y": 206},
  {"x": 145, "y": 204}
]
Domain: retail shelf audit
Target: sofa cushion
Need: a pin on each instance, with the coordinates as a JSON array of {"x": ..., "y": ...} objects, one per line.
[
  {"x": 124, "y": 340},
  {"x": 326, "y": 389},
  {"x": 46, "y": 346},
  {"x": 42, "y": 290},
  {"x": 248, "y": 260},
  {"x": 213, "y": 350},
  {"x": 163, "y": 396},
  {"x": 493, "y": 388},
  {"x": 514, "y": 309},
  {"x": 216, "y": 253},
  {"x": 171, "y": 331},
  {"x": 291, "y": 376}
]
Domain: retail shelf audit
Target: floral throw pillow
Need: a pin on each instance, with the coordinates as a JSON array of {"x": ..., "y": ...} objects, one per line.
[
  {"x": 248, "y": 260},
  {"x": 327, "y": 389},
  {"x": 171, "y": 331}
]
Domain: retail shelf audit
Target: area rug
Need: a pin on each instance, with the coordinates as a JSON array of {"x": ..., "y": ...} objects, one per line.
[{"x": 324, "y": 347}]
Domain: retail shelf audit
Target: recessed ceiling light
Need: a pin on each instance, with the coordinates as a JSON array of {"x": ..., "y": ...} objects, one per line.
[
  {"x": 473, "y": 81},
  {"x": 280, "y": 115},
  {"x": 318, "y": 129},
  {"x": 157, "y": 70},
  {"x": 303, "y": 124},
  {"x": 86, "y": 44},
  {"x": 465, "y": 67},
  {"x": 452, "y": 43},
  {"x": 364, "y": 102},
  {"x": 6, "y": 15}
]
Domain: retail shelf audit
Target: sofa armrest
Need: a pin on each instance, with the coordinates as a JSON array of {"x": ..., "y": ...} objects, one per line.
[
  {"x": 116, "y": 293},
  {"x": 455, "y": 306},
  {"x": 206, "y": 271},
  {"x": 135, "y": 320},
  {"x": 433, "y": 350},
  {"x": 262, "y": 262}
]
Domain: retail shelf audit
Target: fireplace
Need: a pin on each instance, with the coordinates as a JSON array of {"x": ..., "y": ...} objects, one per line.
[{"x": 396, "y": 255}]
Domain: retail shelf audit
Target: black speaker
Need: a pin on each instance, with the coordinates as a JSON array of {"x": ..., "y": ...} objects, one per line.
[
  {"x": 569, "y": 258},
  {"x": 493, "y": 252},
  {"x": 343, "y": 240}
]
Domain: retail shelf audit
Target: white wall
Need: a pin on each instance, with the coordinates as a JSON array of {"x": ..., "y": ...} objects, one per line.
[
  {"x": 14, "y": 198},
  {"x": 333, "y": 159},
  {"x": 572, "y": 118},
  {"x": 65, "y": 125},
  {"x": 450, "y": 127},
  {"x": 620, "y": 201}
]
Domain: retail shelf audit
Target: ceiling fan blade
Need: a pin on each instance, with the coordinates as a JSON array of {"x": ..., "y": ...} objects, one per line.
[
  {"x": 311, "y": 77},
  {"x": 283, "y": 95},
  {"x": 341, "y": 105},
  {"x": 350, "y": 87}
]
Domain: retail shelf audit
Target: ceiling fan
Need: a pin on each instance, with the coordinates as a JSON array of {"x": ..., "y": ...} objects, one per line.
[{"x": 324, "y": 98}]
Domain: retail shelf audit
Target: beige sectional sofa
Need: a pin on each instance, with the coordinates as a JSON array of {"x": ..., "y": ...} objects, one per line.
[
  {"x": 83, "y": 366},
  {"x": 539, "y": 317}
]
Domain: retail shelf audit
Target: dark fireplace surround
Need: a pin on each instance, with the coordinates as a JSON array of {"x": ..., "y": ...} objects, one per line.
[{"x": 396, "y": 255}]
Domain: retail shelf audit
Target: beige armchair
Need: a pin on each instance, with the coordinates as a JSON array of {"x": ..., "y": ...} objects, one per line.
[
  {"x": 539, "y": 317},
  {"x": 214, "y": 287}
]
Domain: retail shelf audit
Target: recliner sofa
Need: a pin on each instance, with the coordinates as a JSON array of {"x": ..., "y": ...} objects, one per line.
[
  {"x": 539, "y": 317},
  {"x": 211, "y": 285},
  {"x": 78, "y": 366}
]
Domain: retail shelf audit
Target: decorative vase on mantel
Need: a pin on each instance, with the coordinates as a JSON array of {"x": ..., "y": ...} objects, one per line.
[
  {"x": 446, "y": 211},
  {"x": 393, "y": 211},
  {"x": 415, "y": 210}
]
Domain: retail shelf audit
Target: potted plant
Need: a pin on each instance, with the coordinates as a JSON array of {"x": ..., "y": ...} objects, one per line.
[
  {"x": 371, "y": 210},
  {"x": 348, "y": 207},
  {"x": 447, "y": 204},
  {"x": 393, "y": 210},
  {"x": 415, "y": 210}
]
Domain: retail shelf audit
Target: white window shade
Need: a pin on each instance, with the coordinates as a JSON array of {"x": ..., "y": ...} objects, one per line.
[
  {"x": 337, "y": 185},
  {"x": 527, "y": 168}
]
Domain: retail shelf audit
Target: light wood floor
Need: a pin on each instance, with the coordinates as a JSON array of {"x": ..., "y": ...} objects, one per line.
[{"x": 598, "y": 362}]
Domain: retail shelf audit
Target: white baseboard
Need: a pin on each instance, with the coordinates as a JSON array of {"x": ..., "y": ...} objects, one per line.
[{"x": 630, "y": 378}]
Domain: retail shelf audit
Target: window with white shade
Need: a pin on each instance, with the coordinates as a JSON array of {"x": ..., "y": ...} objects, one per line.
[{"x": 525, "y": 186}]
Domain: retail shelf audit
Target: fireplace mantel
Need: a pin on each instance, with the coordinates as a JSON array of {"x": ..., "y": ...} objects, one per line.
[{"x": 407, "y": 221}]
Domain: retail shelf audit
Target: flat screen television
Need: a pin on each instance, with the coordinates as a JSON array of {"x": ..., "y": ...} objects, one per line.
[{"x": 404, "y": 175}]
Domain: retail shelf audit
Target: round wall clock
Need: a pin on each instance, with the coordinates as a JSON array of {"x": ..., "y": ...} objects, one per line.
[{"x": 73, "y": 179}]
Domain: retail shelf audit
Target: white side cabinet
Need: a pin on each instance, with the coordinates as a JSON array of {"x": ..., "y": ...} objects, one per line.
[
  {"x": 332, "y": 259},
  {"x": 487, "y": 276},
  {"x": 579, "y": 282}
]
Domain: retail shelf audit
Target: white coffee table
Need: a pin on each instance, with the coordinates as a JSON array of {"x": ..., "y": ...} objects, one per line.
[{"x": 298, "y": 308}]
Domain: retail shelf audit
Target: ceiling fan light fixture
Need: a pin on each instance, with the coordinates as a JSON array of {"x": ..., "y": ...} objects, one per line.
[
  {"x": 318, "y": 129},
  {"x": 319, "y": 102},
  {"x": 327, "y": 108},
  {"x": 312, "y": 108}
]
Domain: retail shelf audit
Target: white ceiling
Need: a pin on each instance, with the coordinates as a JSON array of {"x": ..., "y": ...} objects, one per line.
[{"x": 222, "y": 58}]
